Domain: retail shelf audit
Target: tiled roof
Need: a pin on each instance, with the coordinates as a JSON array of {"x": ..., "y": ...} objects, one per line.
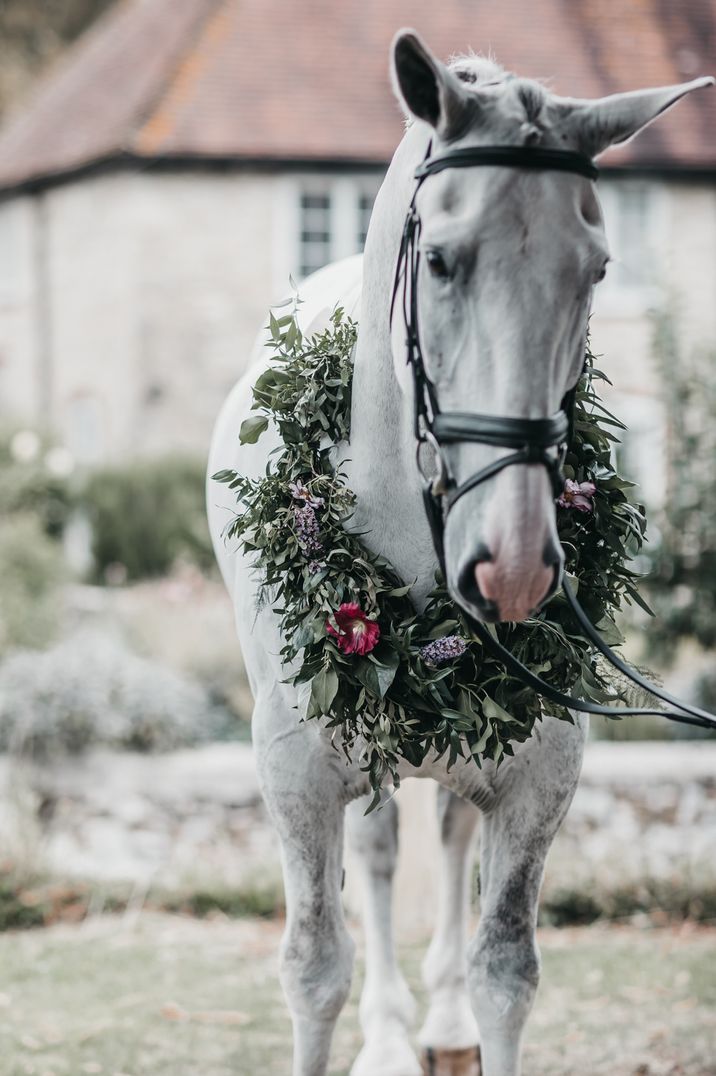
[{"x": 282, "y": 80}]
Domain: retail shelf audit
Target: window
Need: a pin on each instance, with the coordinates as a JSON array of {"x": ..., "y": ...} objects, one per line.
[
  {"x": 11, "y": 253},
  {"x": 627, "y": 209},
  {"x": 332, "y": 217},
  {"x": 315, "y": 232}
]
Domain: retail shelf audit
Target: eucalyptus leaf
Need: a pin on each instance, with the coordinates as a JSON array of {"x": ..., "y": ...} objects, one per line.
[
  {"x": 251, "y": 429},
  {"x": 492, "y": 709},
  {"x": 324, "y": 688}
]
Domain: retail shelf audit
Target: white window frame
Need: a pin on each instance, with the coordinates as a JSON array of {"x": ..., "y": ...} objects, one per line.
[
  {"x": 14, "y": 253},
  {"x": 344, "y": 192}
]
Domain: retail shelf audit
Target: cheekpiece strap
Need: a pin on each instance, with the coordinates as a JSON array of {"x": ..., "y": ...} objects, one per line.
[{"x": 530, "y": 157}]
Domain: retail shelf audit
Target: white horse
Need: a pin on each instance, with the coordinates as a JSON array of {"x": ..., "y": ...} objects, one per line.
[{"x": 510, "y": 258}]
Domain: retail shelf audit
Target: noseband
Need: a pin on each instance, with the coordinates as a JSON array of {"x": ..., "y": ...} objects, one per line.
[{"x": 542, "y": 441}]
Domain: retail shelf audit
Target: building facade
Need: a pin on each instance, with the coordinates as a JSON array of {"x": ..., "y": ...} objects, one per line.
[{"x": 144, "y": 234}]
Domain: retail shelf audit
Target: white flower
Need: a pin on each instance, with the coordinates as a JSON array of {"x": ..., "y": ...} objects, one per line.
[{"x": 25, "y": 446}]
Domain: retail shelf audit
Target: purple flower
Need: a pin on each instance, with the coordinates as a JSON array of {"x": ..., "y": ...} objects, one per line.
[
  {"x": 577, "y": 495},
  {"x": 300, "y": 492},
  {"x": 316, "y": 566},
  {"x": 442, "y": 650},
  {"x": 307, "y": 530}
]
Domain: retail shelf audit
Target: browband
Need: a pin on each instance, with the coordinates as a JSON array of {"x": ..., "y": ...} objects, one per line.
[{"x": 532, "y": 157}]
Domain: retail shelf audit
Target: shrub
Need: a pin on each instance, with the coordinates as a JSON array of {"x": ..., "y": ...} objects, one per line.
[
  {"x": 31, "y": 569},
  {"x": 17, "y": 912},
  {"x": 90, "y": 691},
  {"x": 146, "y": 515},
  {"x": 682, "y": 588},
  {"x": 663, "y": 900},
  {"x": 261, "y": 899},
  {"x": 633, "y": 728},
  {"x": 41, "y": 901}
]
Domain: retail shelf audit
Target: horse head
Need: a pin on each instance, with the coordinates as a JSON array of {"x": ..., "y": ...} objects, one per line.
[{"x": 508, "y": 261}]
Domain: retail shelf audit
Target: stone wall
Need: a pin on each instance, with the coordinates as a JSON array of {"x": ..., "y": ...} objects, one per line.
[{"x": 643, "y": 813}]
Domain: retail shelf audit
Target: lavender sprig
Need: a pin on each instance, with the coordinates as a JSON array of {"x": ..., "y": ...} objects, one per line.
[
  {"x": 308, "y": 531},
  {"x": 442, "y": 650}
]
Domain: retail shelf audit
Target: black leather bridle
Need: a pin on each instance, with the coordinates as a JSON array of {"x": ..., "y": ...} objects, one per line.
[{"x": 531, "y": 441}]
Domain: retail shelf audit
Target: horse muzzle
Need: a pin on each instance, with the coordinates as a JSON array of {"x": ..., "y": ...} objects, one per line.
[{"x": 509, "y": 584}]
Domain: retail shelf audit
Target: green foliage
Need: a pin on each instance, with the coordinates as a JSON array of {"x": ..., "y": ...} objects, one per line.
[
  {"x": 640, "y": 728},
  {"x": 146, "y": 515},
  {"x": 392, "y": 702},
  {"x": 35, "y": 502},
  {"x": 683, "y": 580},
  {"x": 31, "y": 570},
  {"x": 264, "y": 900},
  {"x": 665, "y": 900},
  {"x": 17, "y": 912},
  {"x": 40, "y": 901},
  {"x": 30, "y": 484}
]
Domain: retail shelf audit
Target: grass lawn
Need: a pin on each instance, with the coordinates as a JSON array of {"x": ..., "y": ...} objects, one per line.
[{"x": 167, "y": 996}]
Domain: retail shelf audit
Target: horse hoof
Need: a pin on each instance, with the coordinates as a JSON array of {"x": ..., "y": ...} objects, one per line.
[
  {"x": 388, "y": 1057},
  {"x": 452, "y": 1062}
]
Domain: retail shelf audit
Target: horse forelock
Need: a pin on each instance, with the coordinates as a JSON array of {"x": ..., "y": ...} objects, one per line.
[
  {"x": 477, "y": 71},
  {"x": 483, "y": 72}
]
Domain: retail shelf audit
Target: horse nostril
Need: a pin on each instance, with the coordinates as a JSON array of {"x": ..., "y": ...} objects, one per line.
[
  {"x": 483, "y": 553},
  {"x": 467, "y": 585},
  {"x": 552, "y": 554},
  {"x": 553, "y": 558}
]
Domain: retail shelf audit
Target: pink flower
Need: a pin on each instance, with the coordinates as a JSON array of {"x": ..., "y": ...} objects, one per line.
[
  {"x": 577, "y": 495},
  {"x": 356, "y": 634},
  {"x": 300, "y": 492}
]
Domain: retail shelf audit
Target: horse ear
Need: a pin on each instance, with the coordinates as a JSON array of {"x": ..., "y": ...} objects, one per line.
[
  {"x": 428, "y": 90},
  {"x": 596, "y": 125}
]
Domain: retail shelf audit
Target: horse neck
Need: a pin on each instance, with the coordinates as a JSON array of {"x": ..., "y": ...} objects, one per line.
[{"x": 382, "y": 468}]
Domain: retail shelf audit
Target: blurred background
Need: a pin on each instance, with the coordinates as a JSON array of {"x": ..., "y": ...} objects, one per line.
[{"x": 164, "y": 166}]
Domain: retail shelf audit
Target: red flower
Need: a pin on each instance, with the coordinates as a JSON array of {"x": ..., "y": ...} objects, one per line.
[{"x": 356, "y": 634}]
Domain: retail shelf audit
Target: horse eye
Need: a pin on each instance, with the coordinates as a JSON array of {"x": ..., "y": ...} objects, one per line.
[
  {"x": 602, "y": 273},
  {"x": 436, "y": 264}
]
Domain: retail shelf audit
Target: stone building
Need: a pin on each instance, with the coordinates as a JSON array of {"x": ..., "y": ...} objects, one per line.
[{"x": 184, "y": 158}]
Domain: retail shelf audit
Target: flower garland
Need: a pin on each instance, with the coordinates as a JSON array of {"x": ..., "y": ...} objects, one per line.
[{"x": 392, "y": 682}]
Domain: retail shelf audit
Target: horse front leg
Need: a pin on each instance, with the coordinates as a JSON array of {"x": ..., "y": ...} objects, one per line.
[
  {"x": 536, "y": 789},
  {"x": 449, "y": 1035},
  {"x": 305, "y": 796},
  {"x": 387, "y": 1006}
]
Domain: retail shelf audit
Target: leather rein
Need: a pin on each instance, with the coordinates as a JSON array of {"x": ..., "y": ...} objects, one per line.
[{"x": 541, "y": 441}]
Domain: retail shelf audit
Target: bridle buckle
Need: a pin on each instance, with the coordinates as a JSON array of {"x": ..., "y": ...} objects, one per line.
[{"x": 438, "y": 483}]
